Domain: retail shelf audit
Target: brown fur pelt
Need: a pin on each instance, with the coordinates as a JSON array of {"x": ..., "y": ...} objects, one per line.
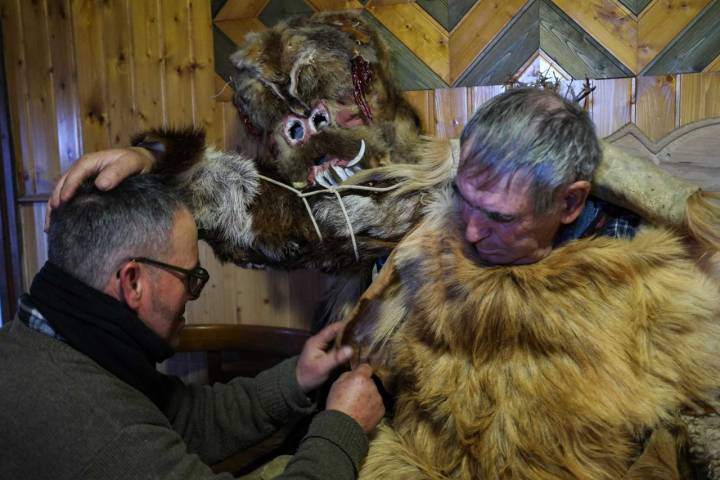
[{"x": 557, "y": 369}]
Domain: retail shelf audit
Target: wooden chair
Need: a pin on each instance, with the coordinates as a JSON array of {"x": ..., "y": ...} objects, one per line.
[
  {"x": 246, "y": 350},
  {"x": 241, "y": 350}
]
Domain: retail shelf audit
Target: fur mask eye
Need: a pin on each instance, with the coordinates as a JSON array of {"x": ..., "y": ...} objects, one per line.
[
  {"x": 319, "y": 119},
  {"x": 294, "y": 130}
]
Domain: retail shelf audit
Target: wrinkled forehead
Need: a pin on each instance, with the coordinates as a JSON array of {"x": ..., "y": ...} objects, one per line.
[{"x": 502, "y": 193}]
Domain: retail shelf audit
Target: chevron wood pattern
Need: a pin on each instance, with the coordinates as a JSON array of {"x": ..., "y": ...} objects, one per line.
[
  {"x": 714, "y": 66},
  {"x": 478, "y": 28},
  {"x": 417, "y": 30},
  {"x": 484, "y": 42},
  {"x": 655, "y": 32},
  {"x": 694, "y": 47}
]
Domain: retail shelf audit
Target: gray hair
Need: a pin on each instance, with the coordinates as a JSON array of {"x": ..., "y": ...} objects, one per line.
[
  {"x": 535, "y": 133},
  {"x": 94, "y": 232}
]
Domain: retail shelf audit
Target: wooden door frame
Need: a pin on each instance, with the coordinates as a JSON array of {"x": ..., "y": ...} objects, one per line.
[{"x": 10, "y": 267}]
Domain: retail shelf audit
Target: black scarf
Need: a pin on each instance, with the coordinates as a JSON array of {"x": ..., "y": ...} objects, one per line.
[{"x": 104, "y": 329}]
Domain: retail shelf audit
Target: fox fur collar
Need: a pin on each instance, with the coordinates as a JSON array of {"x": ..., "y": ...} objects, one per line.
[{"x": 552, "y": 370}]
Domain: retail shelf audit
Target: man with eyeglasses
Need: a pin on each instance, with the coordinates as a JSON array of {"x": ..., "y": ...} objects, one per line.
[{"x": 81, "y": 397}]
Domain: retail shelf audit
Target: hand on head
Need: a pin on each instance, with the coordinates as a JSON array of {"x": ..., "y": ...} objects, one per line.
[
  {"x": 110, "y": 166},
  {"x": 354, "y": 393}
]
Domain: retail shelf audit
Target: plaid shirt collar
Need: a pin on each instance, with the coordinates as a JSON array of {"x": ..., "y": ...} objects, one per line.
[
  {"x": 31, "y": 317},
  {"x": 600, "y": 218}
]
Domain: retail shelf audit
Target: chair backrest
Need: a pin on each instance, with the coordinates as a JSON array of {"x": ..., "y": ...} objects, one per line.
[{"x": 241, "y": 350}]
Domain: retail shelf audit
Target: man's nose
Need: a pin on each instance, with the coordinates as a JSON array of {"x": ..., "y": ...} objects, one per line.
[{"x": 476, "y": 229}]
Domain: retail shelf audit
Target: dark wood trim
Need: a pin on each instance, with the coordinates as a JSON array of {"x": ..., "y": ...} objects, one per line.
[
  {"x": 10, "y": 272},
  {"x": 257, "y": 347}
]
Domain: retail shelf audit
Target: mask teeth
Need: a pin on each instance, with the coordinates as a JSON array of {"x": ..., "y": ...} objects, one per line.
[
  {"x": 359, "y": 155},
  {"x": 323, "y": 180},
  {"x": 341, "y": 172}
]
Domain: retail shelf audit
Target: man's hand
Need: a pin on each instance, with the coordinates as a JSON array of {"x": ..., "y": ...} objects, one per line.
[
  {"x": 110, "y": 166},
  {"x": 315, "y": 363},
  {"x": 356, "y": 395}
]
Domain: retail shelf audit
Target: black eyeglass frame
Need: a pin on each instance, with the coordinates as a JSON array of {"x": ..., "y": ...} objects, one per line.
[{"x": 195, "y": 279}]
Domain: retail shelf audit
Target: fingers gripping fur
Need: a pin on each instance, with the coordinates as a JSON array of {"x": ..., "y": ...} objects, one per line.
[{"x": 219, "y": 190}]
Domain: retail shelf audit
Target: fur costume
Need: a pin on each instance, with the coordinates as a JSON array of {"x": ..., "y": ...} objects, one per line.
[
  {"x": 315, "y": 95},
  {"x": 556, "y": 369}
]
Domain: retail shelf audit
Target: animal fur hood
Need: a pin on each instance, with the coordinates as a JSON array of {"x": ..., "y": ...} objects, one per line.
[{"x": 552, "y": 370}]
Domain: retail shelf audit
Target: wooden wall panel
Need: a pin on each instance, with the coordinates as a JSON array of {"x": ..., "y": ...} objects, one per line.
[
  {"x": 423, "y": 103},
  {"x": 609, "y": 23},
  {"x": 147, "y": 65},
  {"x": 661, "y": 22},
  {"x": 700, "y": 96},
  {"x": 418, "y": 31},
  {"x": 64, "y": 82},
  {"x": 40, "y": 100},
  {"x": 18, "y": 86},
  {"x": 611, "y": 105},
  {"x": 117, "y": 48},
  {"x": 483, "y": 23},
  {"x": 656, "y": 105},
  {"x": 177, "y": 55},
  {"x": 451, "y": 111},
  {"x": 88, "y": 48},
  {"x": 34, "y": 240},
  {"x": 202, "y": 66}
]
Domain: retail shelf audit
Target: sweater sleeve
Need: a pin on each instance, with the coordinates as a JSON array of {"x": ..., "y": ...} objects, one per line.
[
  {"x": 216, "y": 421},
  {"x": 334, "y": 447}
]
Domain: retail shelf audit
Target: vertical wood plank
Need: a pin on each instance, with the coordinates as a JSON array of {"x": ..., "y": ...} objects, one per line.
[
  {"x": 699, "y": 97},
  {"x": 90, "y": 59},
  {"x": 655, "y": 105},
  {"x": 147, "y": 65},
  {"x": 422, "y": 102},
  {"x": 118, "y": 62},
  {"x": 451, "y": 112},
  {"x": 479, "y": 95},
  {"x": 210, "y": 307},
  {"x": 177, "y": 54},
  {"x": 34, "y": 244},
  {"x": 64, "y": 78},
  {"x": 41, "y": 102},
  {"x": 611, "y": 105},
  {"x": 17, "y": 84},
  {"x": 202, "y": 65}
]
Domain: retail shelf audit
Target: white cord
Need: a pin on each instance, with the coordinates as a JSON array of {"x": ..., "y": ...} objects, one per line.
[{"x": 336, "y": 192}]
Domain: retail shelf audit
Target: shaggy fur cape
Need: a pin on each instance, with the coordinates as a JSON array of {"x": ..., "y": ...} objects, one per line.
[{"x": 557, "y": 369}]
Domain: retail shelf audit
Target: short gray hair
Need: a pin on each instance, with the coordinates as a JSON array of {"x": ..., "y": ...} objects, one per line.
[
  {"x": 94, "y": 232},
  {"x": 535, "y": 133}
]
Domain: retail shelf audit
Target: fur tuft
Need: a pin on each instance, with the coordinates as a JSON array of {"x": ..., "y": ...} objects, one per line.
[
  {"x": 176, "y": 150},
  {"x": 702, "y": 219}
]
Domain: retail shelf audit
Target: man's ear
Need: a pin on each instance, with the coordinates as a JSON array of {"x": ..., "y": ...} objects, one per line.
[
  {"x": 573, "y": 201},
  {"x": 130, "y": 285}
]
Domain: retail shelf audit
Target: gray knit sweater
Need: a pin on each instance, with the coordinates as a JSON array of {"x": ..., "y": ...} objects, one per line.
[{"x": 64, "y": 417}]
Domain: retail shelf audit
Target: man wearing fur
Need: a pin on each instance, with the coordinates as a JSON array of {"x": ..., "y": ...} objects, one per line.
[
  {"x": 333, "y": 172},
  {"x": 81, "y": 397},
  {"x": 527, "y": 330}
]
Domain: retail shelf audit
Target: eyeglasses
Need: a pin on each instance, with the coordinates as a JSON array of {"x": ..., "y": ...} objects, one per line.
[{"x": 195, "y": 279}]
